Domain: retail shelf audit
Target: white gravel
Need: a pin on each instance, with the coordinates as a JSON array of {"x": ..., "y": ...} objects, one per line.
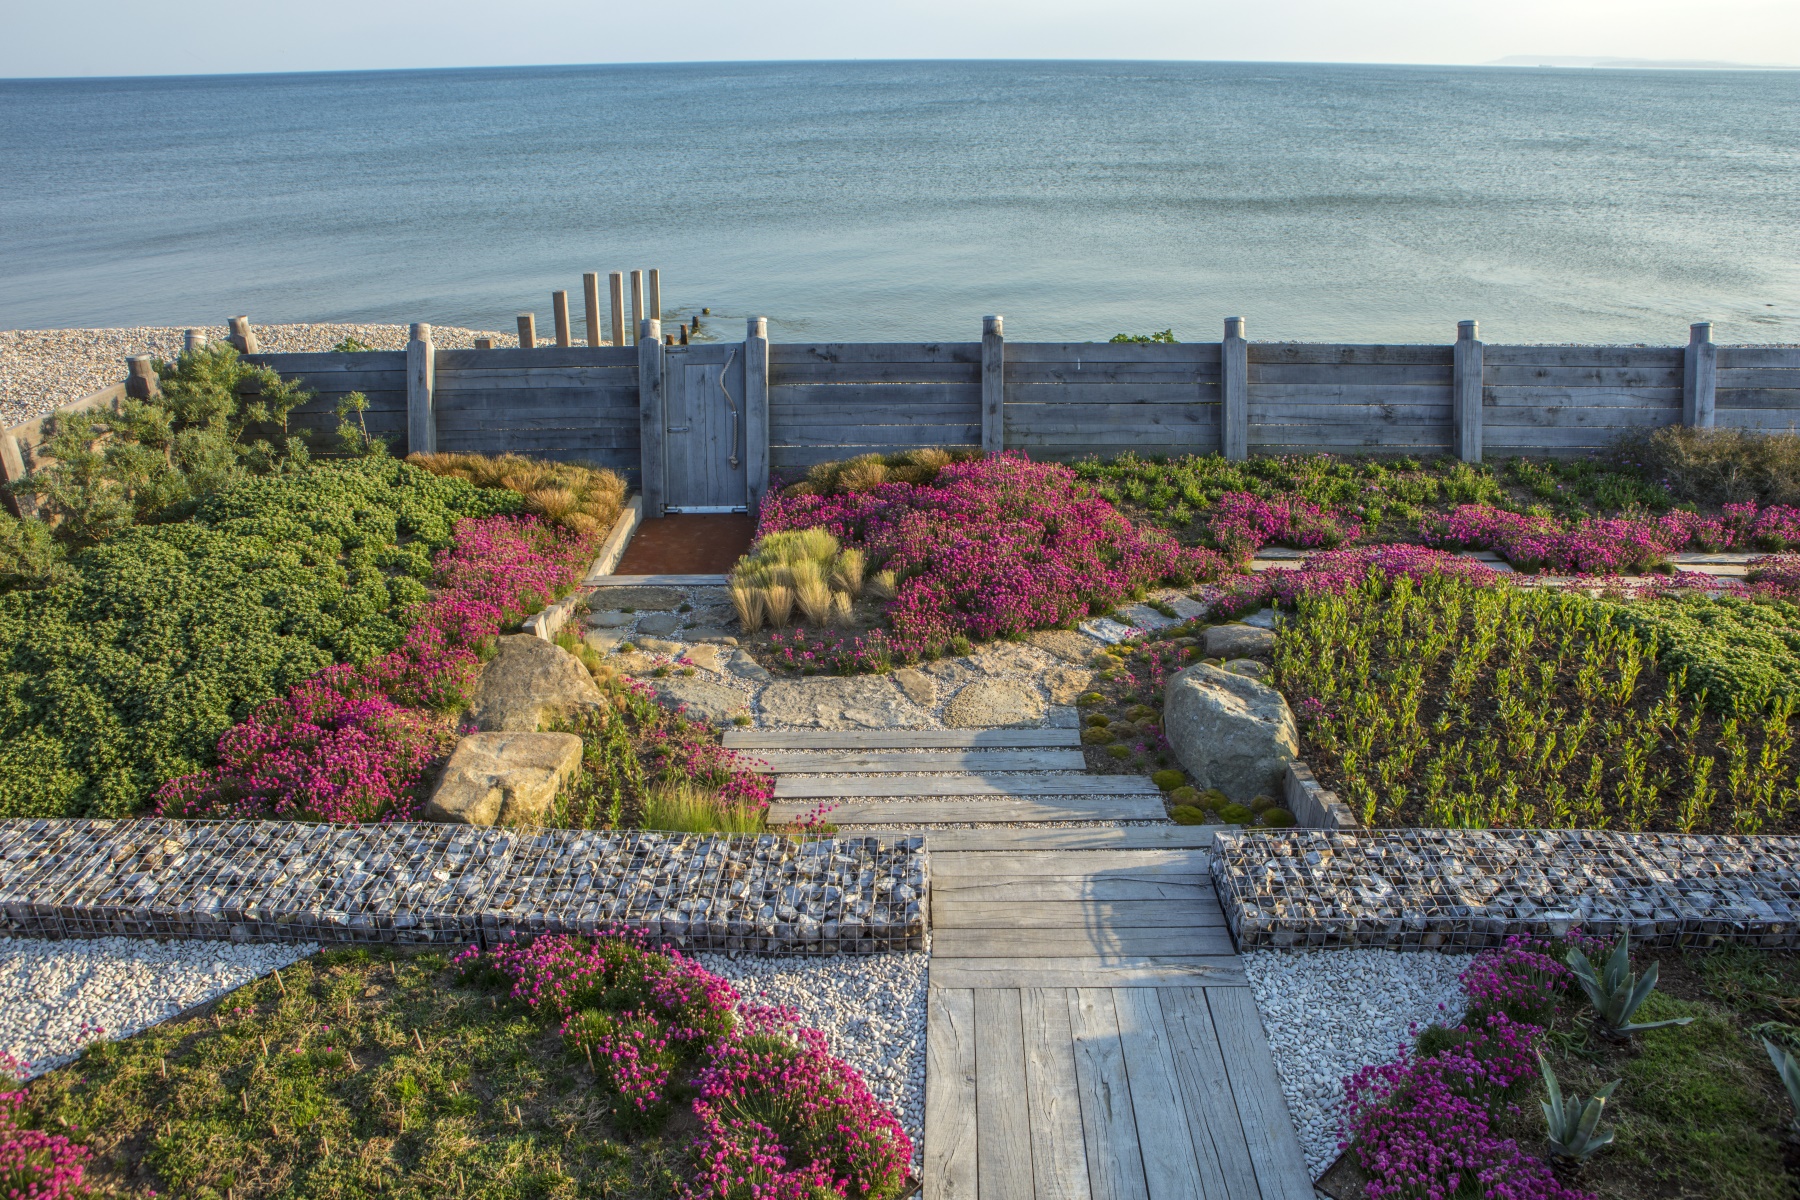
[
  {"x": 41, "y": 369},
  {"x": 57, "y": 996},
  {"x": 870, "y": 1006},
  {"x": 1328, "y": 1013}
]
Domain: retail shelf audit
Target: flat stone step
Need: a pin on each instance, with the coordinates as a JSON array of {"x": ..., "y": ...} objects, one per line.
[
  {"x": 832, "y": 787},
  {"x": 899, "y": 739},
  {"x": 822, "y": 762},
  {"x": 979, "y": 811}
]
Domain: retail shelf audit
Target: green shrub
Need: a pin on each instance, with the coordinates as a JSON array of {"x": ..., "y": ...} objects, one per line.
[
  {"x": 1089, "y": 699},
  {"x": 1164, "y": 337},
  {"x": 1276, "y": 818},
  {"x": 1234, "y": 814},
  {"x": 1214, "y": 799},
  {"x": 1169, "y": 780},
  {"x": 1720, "y": 466},
  {"x": 1260, "y": 803},
  {"x": 1187, "y": 814},
  {"x": 1185, "y": 795},
  {"x": 1098, "y": 735},
  {"x": 1099, "y": 720},
  {"x": 1119, "y": 750},
  {"x": 1741, "y": 653}
]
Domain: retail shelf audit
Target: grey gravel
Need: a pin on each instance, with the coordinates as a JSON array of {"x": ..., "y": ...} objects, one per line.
[
  {"x": 871, "y": 1008},
  {"x": 41, "y": 369},
  {"x": 1329, "y": 1013},
  {"x": 56, "y": 997}
]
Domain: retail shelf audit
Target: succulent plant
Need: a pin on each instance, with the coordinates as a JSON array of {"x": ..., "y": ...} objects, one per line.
[
  {"x": 1615, "y": 993},
  {"x": 1789, "y": 1070},
  {"x": 1574, "y": 1123}
]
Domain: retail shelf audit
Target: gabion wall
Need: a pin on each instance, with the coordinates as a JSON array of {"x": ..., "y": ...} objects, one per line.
[
  {"x": 1458, "y": 889},
  {"x": 424, "y": 883}
]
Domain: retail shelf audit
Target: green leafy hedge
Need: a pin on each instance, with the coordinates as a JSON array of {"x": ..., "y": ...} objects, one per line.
[
  {"x": 127, "y": 666},
  {"x": 1741, "y": 653}
]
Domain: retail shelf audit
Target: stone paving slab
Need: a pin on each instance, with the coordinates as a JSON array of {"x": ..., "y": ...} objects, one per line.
[
  {"x": 1463, "y": 890},
  {"x": 410, "y": 882}
]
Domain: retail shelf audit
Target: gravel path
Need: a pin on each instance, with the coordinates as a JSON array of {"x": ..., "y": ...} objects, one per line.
[
  {"x": 41, "y": 369},
  {"x": 1330, "y": 1012},
  {"x": 872, "y": 1007},
  {"x": 57, "y": 996}
]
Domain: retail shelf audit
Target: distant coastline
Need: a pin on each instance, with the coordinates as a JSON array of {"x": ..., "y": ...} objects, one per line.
[{"x": 1637, "y": 64}]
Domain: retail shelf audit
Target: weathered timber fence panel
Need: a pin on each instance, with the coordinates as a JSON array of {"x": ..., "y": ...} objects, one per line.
[
  {"x": 832, "y": 401},
  {"x": 1758, "y": 387},
  {"x": 378, "y": 374},
  {"x": 572, "y": 403},
  {"x": 1307, "y": 397},
  {"x": 1065, "y": 400},
  {"x": 1562, "y": 400}
]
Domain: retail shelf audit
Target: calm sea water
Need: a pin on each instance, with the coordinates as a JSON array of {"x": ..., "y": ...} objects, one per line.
[{"x": 905, "y": 200}]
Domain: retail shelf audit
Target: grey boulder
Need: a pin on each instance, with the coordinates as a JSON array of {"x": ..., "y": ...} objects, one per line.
[
  {"x": 702, "y": 700},
  {"x": 1230, "y": 731},
  {"x": 504, "y": 778},
  {"x": 1238, "y": 641},
  {"x": 530, "y": 683}
]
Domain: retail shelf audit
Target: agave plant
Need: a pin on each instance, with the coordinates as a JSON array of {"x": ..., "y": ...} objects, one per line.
[
  {"x": 1575, "y": 1131},
  {"x": 1616, "y": 993},
  {"x": 1789, "y": 1070}
]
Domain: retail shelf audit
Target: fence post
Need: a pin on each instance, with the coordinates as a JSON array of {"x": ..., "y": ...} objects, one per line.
[
  {"x": 527, "y": 331},
  {"x": 484, "y": 343},
  {"x": 194, "y": 341},
  {"x": 1234, "y": 391},
  {"x": 140, "y": 378},
  {"x": 637, "y": 305},
  {"x": 756, "y": 412},
  {"x": 655, "y": 294},
  {"x": 590, "y": 296},
  {"x": 993, "y": 385},
  {"x": 242, "y": 336},
  {"x": 12, "y": 469},
  {"x": 1466, "y": 376},
  {"x": 1700, "y": 377},
  {"x": 421, "y": 384},
  {"x": 616, "y": 282},
  {"x": 559, "y": 306},
  {"x": 650, "y": 416}
]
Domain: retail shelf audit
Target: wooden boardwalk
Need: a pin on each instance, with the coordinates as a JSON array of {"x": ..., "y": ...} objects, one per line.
[{"x": 1090, "y": 1031}]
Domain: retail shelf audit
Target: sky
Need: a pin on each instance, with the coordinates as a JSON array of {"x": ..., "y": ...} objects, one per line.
[{"x": 181, "y": 37}]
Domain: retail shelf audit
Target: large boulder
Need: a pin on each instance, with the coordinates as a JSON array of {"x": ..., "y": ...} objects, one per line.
[
  {"x": 528, "y": 684},
  {"x": 1238, "y": 641},
  {"x": 504, "y": 778},
  {"x": 1230, "y": 731}
]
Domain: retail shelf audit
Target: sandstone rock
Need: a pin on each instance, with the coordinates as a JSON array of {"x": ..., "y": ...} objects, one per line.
[
  {"x": 529, "y": 683},
  {"x": 1254, "y": 668},
  {"x": 951, "y": 673},
  {"x": 862, "y": 702},
  {"x": 644, "y": 599},
  {"x": 658, "y": 645},
  {"x": 1238, "y": 641},
  {"x": 708, "y": 633},
  {"x": 744, "y": 667},
  {"x": 705, "y": 701},
  {"x": 1067, "y": 683},
  {"x": 989, "y": 703},
  {"x": 1230, "y": 731},
  {"x": 1008, "y": 660},
  {"x": 919, "y": 687},
  {"x": 503, "y": 778},
  {"x": 1066, "y": 644},
  {"x": 706, "y": 657},
  {"x": 635, "y": 663},
  {"x": 610, "y": 619},
  {"x": 659, "y": 624},
  {"x": 603, "y": 641}
]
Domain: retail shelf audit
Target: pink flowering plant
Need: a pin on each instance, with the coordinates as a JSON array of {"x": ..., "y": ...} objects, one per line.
[{"x": 35, "y": 1165}]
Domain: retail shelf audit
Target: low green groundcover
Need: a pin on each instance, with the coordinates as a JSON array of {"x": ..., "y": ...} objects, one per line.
[{"x": 122, "y": 670}]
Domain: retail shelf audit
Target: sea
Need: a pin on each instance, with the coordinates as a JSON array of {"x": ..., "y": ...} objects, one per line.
[{"x": 906, "y": 200}]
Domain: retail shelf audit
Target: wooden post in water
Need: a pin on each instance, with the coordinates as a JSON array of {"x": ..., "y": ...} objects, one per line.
[
  {"x": 242, "y": 336},
  {"x": 1466, "y": 386},
  {"x": 616, "y": 282},
  {"x": 590, "y": 297},
  {"x": 527, "y": 331},
  {"x": 756, "y": 412},
  {"x": 637, "y": 304},
  {"x": 140, "y": 378},
  {"x": 559, "y": 305},
  {"x": 1234, "y": 391},
  {"x": 993, "y": 385},
  {"x": 421, "y": 386},
  {"x": 1700, "y": 377},
  {"x": 655, "y": 293},
  {"x": 193, "y": 341},
  {"x": 650, "y": 416}
]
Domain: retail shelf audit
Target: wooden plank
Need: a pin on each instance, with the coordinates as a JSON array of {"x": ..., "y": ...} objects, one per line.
[
  {"x": 867, "y": 419},
  {"x": 1571, "y": 417},
  {"x": 1066, "y": 862},
  {"x": 1059, "y": 1165},
  {"x": 1116, "y": 837},
  {"x": 477, "y": 379},
  {"x": 1541, "y": 438},
  {"x": 1080, "y": 418},
  {"x": 1083, "y": 397},
  {"x": 804, "y": 761},
  {"x": 1765, "y": 419},
  {"x": 350, "y": 381},
  {"x": 513, "y": 358},
  {"x": 1345, "y": 394},
  {"x": 1102, "y": 941},
  {"x": 1002, "y": 1112},
  {"x": 1267, "y": 353},
  {"x": 945, "y": 812},
  {"x": 949, "y": 913},
  {"x": 657, "y": 580},
  {"x": 1348, "y": 438},
  {"x": 897, "y": 739},
  {"x": 1118, "y": 352},
  {"x": 1217, "y": 1128},
  {"x": 784, "y": 353},
  {"x": 1733, "y": 357},
  {"x": 1606, "y": 400},
  {"x": 1274, "y": 1149},
  {"x": 1108, "y": 1123},
  {"x": 1667, "y": 358},
  {"x": 1115, "y": 375},
  {"x": 846, "y": 396},
  {"x": 1171, "y": 1168},
  {"x": 1760, "y": 379},
  {"x": 1107, "y": 442},
  {"x": 791, "y": 458},
  {"x": 950, "y": 1150},
  {"x": 848, "y": 786},
  {"x": 1783, "y": 399},
  {"x": 1376, "y": 412},
  {"x": 1611, "y": 378},
  {"x": 898, "y": 435},
  {"x": 810, "y": 378},
  {"x": 1149, "y": 884},
  {"x": 1384, "y": 375},
  {"x": 324, "y": 361}
]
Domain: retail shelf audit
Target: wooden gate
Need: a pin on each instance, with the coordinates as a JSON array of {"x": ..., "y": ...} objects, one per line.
[{"x": 703, "y": 428}]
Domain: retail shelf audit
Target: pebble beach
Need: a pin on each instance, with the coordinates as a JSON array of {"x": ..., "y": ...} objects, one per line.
[{"x": 42, "y": 369}]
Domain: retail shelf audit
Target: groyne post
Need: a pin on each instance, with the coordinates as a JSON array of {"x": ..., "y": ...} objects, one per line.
[
  {"x": 559, "y": 307},
  {"x": 527, "y": 331},
  {"x": 616, "y": 283},
  {"x": 1466, "y": 386},
  {"x": 756, "y": 412},
  {"x": 1234, "y": 391},
  {"x": 650, "y": 416},
  {"x": 421, "y": 384},
  {"x": 993, "y": 385},
  {"x": 1700, "y": 377}
]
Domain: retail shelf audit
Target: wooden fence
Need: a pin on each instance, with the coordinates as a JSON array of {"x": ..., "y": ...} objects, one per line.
[{"x": 807, "y": 403}]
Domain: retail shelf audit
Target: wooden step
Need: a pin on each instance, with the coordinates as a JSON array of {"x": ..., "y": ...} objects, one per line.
[
  {"x": 606, "y": 581},
  {"x": 826, "y": 762},
  {"x": 1079, "y": 940},
  {"x": 1090, "y": 971},
  {"x": 950, "y": 913},
  {"x": 832, "y": 787},
  {"x": 956, "y": 812},
  {"x": 898, "y": 739},
  {"x": 1100, "y": 837},
  {"x": 953, "y": 865},
  {"x": 1142, "y": 885}
]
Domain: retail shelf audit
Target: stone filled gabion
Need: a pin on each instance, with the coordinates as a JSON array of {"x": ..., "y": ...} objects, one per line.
[
  {"x": 1465, "y": 889},
  {"x": 253, "y": 881}
]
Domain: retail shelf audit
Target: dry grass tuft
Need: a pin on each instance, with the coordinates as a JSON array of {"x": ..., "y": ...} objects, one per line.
[
  {"x": 584, "y": 499},
  {"x": 1720, "y": 466}
]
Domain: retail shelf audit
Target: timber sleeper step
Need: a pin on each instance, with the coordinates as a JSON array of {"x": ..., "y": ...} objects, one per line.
[
  {"x": 900, "y": 739},
  {"x": 844, "y": 787}
]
